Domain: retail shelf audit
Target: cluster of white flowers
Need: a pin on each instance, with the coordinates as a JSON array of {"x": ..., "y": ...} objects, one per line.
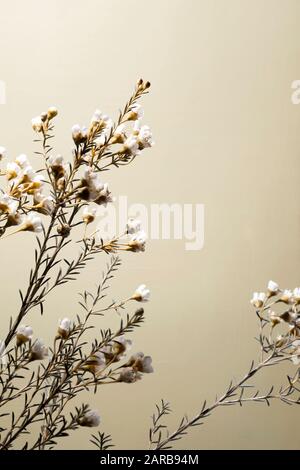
[
  {"x": 140, "y": 136},
  {"x": 24, "y": 182},
  {"x": 265, "y": 303},
  {"x": 287, "y": 296}
]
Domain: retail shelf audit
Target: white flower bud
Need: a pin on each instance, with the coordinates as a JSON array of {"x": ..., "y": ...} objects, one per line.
[
  {"x": 24, "y": 333},
  {"x": 287, "y": 296},
  {"x": 137, "y": 242},
  {"x": 23, "y": 161},
  {"x": 79, "y": 134},
  {"x": 296, "y": 295},
  {"x": 64, "y": 327},
  {"x": 38, "y": 351},
  {"x": 258, "y": 299},
  {"x": 89, "y": 214},
  {"x": 32, "y": 223},
  {"x": 131, "y": 146},
  {"x": 37, "y": 124},
  {"x": 273, "y": 287},
  {"x": 52, "y": 112},
  {"x": 142, "y": 294},
  {"x": 136, "y": 112},
  {"x": 90, "y": 419}
]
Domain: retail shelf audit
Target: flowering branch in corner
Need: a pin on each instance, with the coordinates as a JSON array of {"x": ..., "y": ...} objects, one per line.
[{"x": 54, "y": 202}]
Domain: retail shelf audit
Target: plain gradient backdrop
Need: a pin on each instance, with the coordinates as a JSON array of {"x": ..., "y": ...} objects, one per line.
[{"x": 227, "y": 136}]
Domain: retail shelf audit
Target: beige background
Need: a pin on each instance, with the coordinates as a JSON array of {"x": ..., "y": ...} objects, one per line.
[{"x": 227, "y": 136}]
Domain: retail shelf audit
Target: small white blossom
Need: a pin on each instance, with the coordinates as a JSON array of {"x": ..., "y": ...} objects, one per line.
[
  {"x": 133, "y": 226},
  {"x": 296, "y": 294},
  {"x": 129, "y": 375},
  {"x": 22, "y": 161},
  {"x": 44, "y": 204},
  {"x": 273, "y": 287},
  {"x": 90, "y": 419},
  {"x": 136, "y": 112},
  {"x": 258, "y": 299},
  {"x": 31, "y": 180},
  {"x": 131, "y": 146},
  {"x": 96, "y": 118},
  {"x": 142, "y": 294},
  {"x": 56, "y": 160},
  {"x": 37, "y": 124},
  {"x": 274, "y": 319},
  {"x": 12, "y": 170},
  {"x": 24, "y": 333},
  {"x": 144, "y": 135},
  {"x": 79, "y": 134},
  {"x": 38, "y": 351},
  {"x": 64, "y": 327},
  {"x": 141, "y": 363},
  {"x": 287, "y": 296},
  {"x": 8, "y": 205},
  {"x": 137, "y": 242},
  {"x": 89, "y": 214},
  {"x": 32, "y": 223},
  {"x": 57, "y": 165}
]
